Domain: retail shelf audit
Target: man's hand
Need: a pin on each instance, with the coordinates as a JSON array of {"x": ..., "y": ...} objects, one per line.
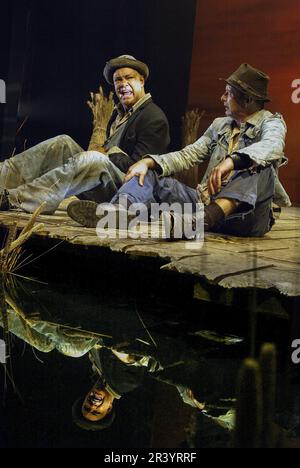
[
  {"x": 140, "y": 170},
  {"x": 219, "y": 173}
]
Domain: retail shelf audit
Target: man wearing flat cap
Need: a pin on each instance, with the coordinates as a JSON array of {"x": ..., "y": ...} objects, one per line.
[
  {"x": 58, "y": 168},
  {"x": 244, "y": 150}
]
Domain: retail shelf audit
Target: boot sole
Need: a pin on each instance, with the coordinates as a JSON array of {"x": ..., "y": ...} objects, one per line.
[{"x": 84, "y": 213}]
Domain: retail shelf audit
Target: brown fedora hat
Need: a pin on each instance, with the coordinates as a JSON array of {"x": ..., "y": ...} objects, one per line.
[
  {"x": 124, "y": 61},
  {"x": 250, "y": 81}
]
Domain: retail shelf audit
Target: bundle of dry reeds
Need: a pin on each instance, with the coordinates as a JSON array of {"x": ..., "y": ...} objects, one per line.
[
  {"x": 190, "y": 126},
  {"x": 12, "y": 251},
  {"x": 101, "y": 107}
]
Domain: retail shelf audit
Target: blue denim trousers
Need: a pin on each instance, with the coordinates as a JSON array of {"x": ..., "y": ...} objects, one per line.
[
  {"x": 254, "y": 191},
  {"x": 56, "y": 169}
]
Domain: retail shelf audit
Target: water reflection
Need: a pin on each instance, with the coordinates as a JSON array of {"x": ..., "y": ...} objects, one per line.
[{"x": 80, "y": 366}]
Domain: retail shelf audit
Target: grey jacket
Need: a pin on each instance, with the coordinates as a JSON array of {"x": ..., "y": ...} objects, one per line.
[{"x": 262, "y": 138}]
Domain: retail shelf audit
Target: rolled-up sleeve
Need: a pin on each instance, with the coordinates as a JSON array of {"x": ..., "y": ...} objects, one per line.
[
  {"x": 189, "y": 156},
  {"x": 271, "y": 146}
]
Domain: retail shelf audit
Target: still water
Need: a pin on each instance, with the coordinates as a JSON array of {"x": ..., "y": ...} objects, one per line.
[{"x": 172, "y": 374}]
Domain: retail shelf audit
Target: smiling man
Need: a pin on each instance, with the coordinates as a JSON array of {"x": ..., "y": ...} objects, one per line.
[
  {"x": 97, "y": 404},
  {"x": 129, "y": 86},
  {"x": 136, "y": 123},
  {"x": 58, "y": 168},
  {"x": 96, "y": 411},
  {"x": 244, "y": 150}
]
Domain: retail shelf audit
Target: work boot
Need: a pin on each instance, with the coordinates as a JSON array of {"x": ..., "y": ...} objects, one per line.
[
  {"x": 188, "y": 226},
  {"x": 84, "y": 212}
]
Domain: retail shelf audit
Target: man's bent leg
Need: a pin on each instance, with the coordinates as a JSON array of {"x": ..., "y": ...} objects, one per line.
[
  {"x": 132, "y": 192},
  {"x": 110, "y": 180},
  {"x": 36, "y": 161},
  {"x": 86, "y": 213},
  {"x": 175, "y": 201},
  {"x": 254, "y": 193},
  {"x": 79, "y": 174},
  {"x": 155, "y": 190},
  {"x": 165, "y": 191}
]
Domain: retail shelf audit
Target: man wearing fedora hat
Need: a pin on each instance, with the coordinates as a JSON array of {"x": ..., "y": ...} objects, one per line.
[
  {"x": 244, "y": 150},
  {"x": 58, "y": 168}
]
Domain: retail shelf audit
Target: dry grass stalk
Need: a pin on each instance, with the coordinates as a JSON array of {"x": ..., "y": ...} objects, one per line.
[
  {"x": 33, "y": 218},
  {"x": 102, "y": 108},
  {"x": 23, "y": 238},
  {"x": 3, "y": 308},
  {"x": 11, "y": 236},
  {"x": 10, "y": 254},
  {"x": 4, "y": 315},
  {"x": 26, "y": 323},
  {"x": 190, "y": 126}
]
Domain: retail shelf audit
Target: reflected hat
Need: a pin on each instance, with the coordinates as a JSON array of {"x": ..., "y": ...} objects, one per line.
[
  {"x": 124, "y": 61},
  {"x": 250, "y": 81}
]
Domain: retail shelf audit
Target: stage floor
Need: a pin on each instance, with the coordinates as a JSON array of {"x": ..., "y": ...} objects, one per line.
[{"x": 268, "y": 263}]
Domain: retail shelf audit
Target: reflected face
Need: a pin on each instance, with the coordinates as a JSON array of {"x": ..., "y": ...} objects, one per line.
[
  {"x": 129, "y": 86},
  {"x": 233, "y": 108},
  {"x": 97, "y": 404}
]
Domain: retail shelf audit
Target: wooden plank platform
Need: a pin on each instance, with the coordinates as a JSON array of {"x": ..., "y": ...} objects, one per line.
[{"x": 272, "y": 262}]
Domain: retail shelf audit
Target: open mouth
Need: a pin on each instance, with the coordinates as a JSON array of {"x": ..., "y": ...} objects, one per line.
[
  {"x": 125, "y": 93},
  {"x": 95, "y": 399}
]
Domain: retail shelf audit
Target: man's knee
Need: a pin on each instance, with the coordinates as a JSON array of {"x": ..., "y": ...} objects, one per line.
[
  {"x": 99, "y": 158},
  {"x": 134, "y": 183},
  {"x": 95, "y": 161},
  {"x": 63, "y": 141}
]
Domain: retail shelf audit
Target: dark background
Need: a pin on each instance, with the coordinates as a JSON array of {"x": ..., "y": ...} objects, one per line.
[{"x": 53, "y": 53}]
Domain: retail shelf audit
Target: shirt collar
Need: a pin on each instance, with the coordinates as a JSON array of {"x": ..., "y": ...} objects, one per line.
[
  {"x": 255, "y": 118},
  {"x": 252, "y": 120}
]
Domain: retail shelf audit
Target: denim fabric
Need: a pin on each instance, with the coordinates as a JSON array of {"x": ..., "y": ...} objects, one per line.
[
  {"x": 253, "y": 190},
  {"x": 37, "y": 161},
  {"x": 54, "y": 170},
  {"x": 262, "y": 138},
  {"x": 46, "y": 337},
  {"x": 255, "y": 193},
  {"x": 156, "y": 190}
]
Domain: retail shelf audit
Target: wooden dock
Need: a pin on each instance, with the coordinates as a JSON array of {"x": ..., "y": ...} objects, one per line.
[{"x": 268, "y": 263}]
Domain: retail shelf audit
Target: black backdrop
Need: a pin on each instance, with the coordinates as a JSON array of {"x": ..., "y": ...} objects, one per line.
[{"x": 53, "y": 53}]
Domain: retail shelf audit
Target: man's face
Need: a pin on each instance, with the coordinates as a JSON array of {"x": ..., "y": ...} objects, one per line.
[
  {"x": 97, "y": 404},
  {"x": 129, "y": 86},
  {"x": 233, "y": 108}
]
